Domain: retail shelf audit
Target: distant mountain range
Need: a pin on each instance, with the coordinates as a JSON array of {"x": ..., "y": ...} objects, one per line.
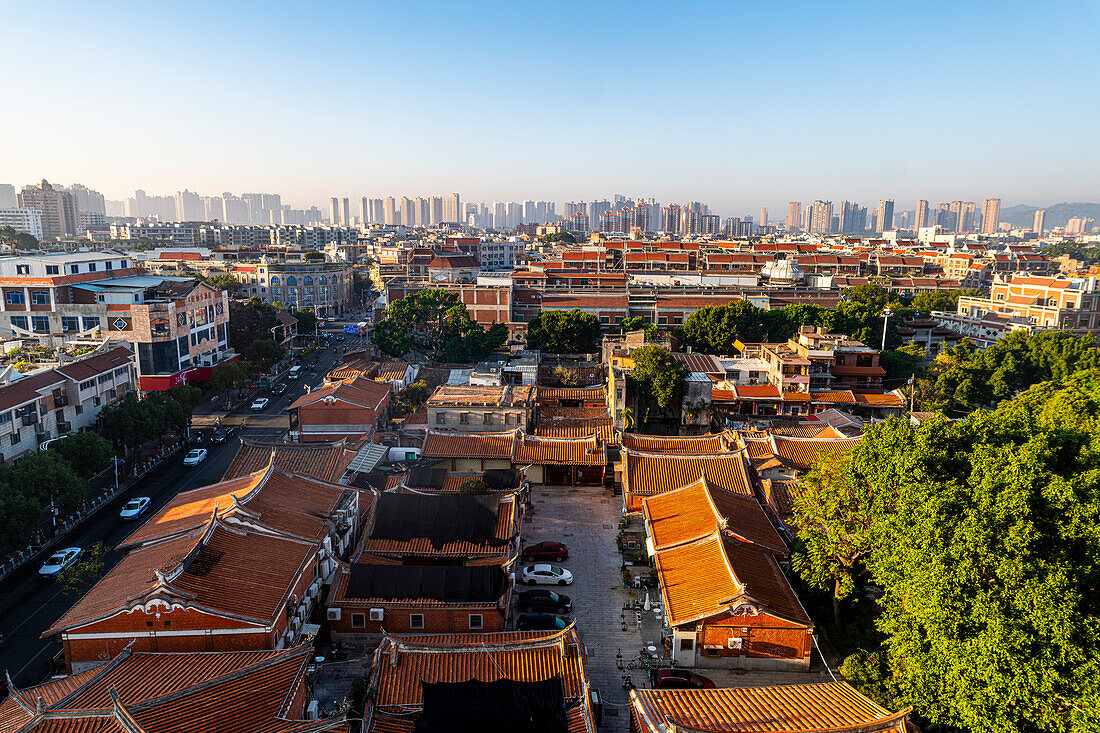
[{"x": 1057, "y": 214}]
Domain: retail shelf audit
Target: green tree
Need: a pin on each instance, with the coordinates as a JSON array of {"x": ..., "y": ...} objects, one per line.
[
  {"x": 473, "y": 486},
  {"x": 79, "y": 577},
  {"x": 902, "y": 363},
  {"x": 436, "y": 322},
  {"x": 416, "y": 394},
  {"x": 226, "y": 376},
  {"x": 262, "y": 354},
  {"x": 565, "y": 237},
  {"x": 987, "y": 545},
  {"x": 307, "y": 320},
  {"x": 20, "y": 240},
  {"x": 18, "y": 513},
  {"x": 46, "y": 475},
  {"x": 657, "y": 381},
  {"x": 715, "y": 329},
  {"x": 564, "y": 332},
  {"x": 88, "y": 453},
  {"x": 637, "y": 323},
  {"x": 249, "y": 321},
  {"x": 315, "y": 256}
]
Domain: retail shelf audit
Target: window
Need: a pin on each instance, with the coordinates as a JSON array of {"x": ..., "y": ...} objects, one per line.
[
  {"x": 14, "y": 297},
  {"x": 53, "y": 270},
  {"x": 274, "y": 280},
  {"x": 464, "y": 418},
  {"x": 109, "y": 265},
  {"x": 15, "y": 438},
  {"x": 359, "y": 621},
  {"x": 41, "y": 323},
  {"x": 6, "y": 417},
  {"x": 416, "y": 620},
  {"x": 74, "y": 269},
  {"x": 80, "y": 409},
  {"x": 19, "y": 322},
  {"x": 487, "y": 418},
  {"x": 69, "y": 324},
  {"x": 477, "y": 621},
  {"x": 440, "y": 418},
  {"x": 103, "y": 378},
  {"x": 22, "y": 269},
  {"x": 87, "y": 384},
  {"x": 686, "y": 645},
  {"x": 90, "y": 322}
]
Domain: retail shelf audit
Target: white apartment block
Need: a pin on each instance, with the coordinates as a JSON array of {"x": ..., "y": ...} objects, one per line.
[{"x": 24, "y": 219}]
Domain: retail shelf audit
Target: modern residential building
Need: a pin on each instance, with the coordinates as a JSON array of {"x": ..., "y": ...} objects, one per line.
[
  {"x": 1037, "y": 303},
  {"x": 1037, "y": 221},
  {"x": 991, "y": 216},
  {"x": 921, "y": 219},
  {"x": 8, "y": 199},
  {"x": 23, "y": 219},
  {"x": 65, "y": 399},
  {"x": 884, "y": 215},
  {"x": 57, "y": 209},
  {"x": 794, "y": 216},
  {"x": 822, "y": 218}
]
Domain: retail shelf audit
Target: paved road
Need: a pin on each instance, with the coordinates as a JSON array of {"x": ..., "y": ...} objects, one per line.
[{"x": 30, "y": 605}]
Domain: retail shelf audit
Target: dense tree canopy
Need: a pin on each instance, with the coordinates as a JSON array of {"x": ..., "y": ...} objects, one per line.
[
  {"x": 564, "y": 332},
  {"x": 307, "y": 320},
  {"x": 20, "y": 240},
  {"x": 657, "y": 382},
  {"x": 250, "y": 320},
  {"x": 1090, "y": 255},
  {"x": 88, "y": 453},
  {"x": 985, "y": 538},
  {"x": 435, "y": 322}
]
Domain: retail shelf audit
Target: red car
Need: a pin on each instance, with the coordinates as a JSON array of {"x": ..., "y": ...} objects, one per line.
[
  {"x": 679, "y": 679},
  {"x": 554, "y": 551}
]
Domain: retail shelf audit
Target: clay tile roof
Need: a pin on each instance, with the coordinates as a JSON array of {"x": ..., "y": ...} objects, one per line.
[
  {"x": 586, "y": 451},
  {"x": 832, "y": 706},
  {"x": 805, "y": 451},
  {"x": 647, "y": 474},
  {"x": 403, "y": 665},
  {"x": 712, "y": 443},
  {"x": 833, "y": 396},
  {"x": 453, "y": 444},
  {"x": 756, "y": 392},
  {"x": 177, "y": 693},
  {"x": 699, "y": 362},
  {"x": 388, "y": 371},
  {"x": 323, "y": 460},
  {"x": 693, "y": 511},
  {"x": 585, "y": 394},
  {"x": 78, "y": 371},
  {"x": 602, "y": 428},
  {"x": 357, "y": 390},
  {"x": 881, "y": 400}
]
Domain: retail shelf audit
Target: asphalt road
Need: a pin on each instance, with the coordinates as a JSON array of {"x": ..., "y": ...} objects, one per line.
[{"x": 29, "y": 605}]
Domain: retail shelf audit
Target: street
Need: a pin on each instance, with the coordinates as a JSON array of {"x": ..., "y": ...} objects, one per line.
[{"x": 29, "y": 605}]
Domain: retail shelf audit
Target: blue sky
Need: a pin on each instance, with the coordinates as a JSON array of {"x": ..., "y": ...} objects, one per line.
[{"x": 738, "y": 104}]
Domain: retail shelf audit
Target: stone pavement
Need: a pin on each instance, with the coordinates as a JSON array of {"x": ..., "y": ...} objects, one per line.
[{"x": 587, "y": 519}]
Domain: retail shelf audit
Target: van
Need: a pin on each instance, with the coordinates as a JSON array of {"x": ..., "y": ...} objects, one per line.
[
  {"x": 294, "y": 373},
  {"x": 404, "y": 454}
]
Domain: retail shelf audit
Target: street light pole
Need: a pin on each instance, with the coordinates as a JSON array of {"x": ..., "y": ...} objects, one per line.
[{"x": 885, "y": 319}]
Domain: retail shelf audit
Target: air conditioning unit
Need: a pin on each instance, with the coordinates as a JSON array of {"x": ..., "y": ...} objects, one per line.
[
  {"x": 334, "y": 614},
  {"x": 312, "y": 712},
  {"x": 377, "y": 614},
  {"x": 734, "y": 642}
]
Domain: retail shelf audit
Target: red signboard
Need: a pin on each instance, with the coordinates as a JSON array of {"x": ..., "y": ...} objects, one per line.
[{"x": 161, "y": 382}]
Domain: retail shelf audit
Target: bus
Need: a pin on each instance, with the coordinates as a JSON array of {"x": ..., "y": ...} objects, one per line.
[{"x": 295, "y": 372}]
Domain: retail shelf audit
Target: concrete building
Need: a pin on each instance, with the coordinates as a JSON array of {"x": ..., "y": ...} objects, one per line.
[
  {"x": 8, "y": 199},
  {"x": 57, "y": 208},
  {"x": 991, "y": 216},
  {"x": 324, "y": 286},
  {"x": 1037, "y": 221},
  {"x": 23, "y": 219},
  {"x": 822, "y": 217},
  {"x": 481, "y": 409}
]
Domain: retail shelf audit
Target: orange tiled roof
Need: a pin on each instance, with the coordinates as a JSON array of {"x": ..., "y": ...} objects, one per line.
[
  {"x": 586, "y": 394},
  {"x": 780, "y": 496},
  {"x": 712, "y": 443},
  {"x": 175, "y": 693},
  {"x": 881, "y": 400},
  {"x": 587, "y": 451},
  {"x": 693, "y": 511},
  {"x": 290, "y": 503},
  {"x": 453, "y": 444},
  {"x": 832, "y": 706},
  {"x": 844, "y": 396},
  {"x": 805, "y": 451},
  {"x": 602, "y": 428},
  {"x": 402, "y": 665},
  {"x": 549, "y": 414},
  {"x": 756, "y": 392},
  {"x": 357, "y": 390},
  {"x": 651, "y": 473},
  {"x": 712, "y": 575},
  {"x": 324, "y": 460},
  {"x": 222, "y": 570}
]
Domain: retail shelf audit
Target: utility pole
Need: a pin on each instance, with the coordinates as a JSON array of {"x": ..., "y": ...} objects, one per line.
[
  {"x": 912, "y": 390},
  {"x": 885, "y": 319}
]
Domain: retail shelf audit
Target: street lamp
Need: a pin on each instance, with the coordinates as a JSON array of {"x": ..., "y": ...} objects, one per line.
[{"x": 885, "y": 319}]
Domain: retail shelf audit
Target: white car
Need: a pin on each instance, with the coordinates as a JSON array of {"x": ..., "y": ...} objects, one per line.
[
  {"x": 59, "y": 561},
  {"x": 546, "y": 575},
  {"x": 260, "y": 403},
  {"x": 134, "y": 508},
  {"x": 331, "y": 319},
  {"x": 195, "y": 457}
]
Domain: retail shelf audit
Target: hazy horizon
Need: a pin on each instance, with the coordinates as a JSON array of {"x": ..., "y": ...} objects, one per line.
[{"x": 740, "y": 107}]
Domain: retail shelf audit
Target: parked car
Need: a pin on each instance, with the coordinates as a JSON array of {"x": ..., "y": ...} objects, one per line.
[
  {"x": 539, "y": 622},
  {"x": 545, "y": 601},
  {"x": 679, "y": 679},
  {"x": 555, "y": 551},
  {"x": 340, "y": 338},
  {"x": 195, "y": 457},
  {"x": 546, "y": 575},
  {"x": 221, "y": 435},
  {"x": 260, "y": 403},
  {"x": 59, "y": 561},
  {"x": 134, "y": 508},
  {"x": 278, "y": 389}
]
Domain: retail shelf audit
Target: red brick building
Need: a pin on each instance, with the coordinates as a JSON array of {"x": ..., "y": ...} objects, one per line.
[{"x": 353, "y": 408}]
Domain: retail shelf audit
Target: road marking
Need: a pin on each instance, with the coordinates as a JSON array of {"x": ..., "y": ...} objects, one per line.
[
  {"x": 28, "y": 618},
  {"x": 29, "y": 663}
]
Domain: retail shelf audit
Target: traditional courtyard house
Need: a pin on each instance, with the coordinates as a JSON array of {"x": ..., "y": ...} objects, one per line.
[
  {"x": 561, "y": 461},
  {"x": 647, "y": 474},
  {"x": 830, "y": 706},
  {"x": 481, "y": 408},
  {"x": 354, "y": 408},
  {"x": 171, "y": 692},
  {"x": 441, "y": 529},
  {"x": 486, "y": 681},
  {"x": 367, "y": 599},
  {"x": 470, "y": 451},
  {"x": 322, "y": 460}
]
